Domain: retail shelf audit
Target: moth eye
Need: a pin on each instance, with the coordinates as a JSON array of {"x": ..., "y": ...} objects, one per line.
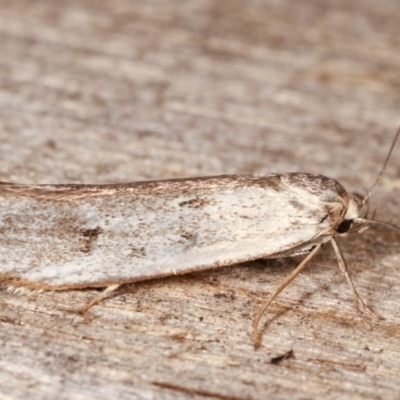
[{"x": 344, "y": 226}]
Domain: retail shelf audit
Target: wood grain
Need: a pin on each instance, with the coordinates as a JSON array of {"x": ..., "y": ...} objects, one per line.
[{"x": 97, "y": 91}]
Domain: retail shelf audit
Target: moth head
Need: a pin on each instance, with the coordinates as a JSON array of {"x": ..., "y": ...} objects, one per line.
[{"x": 351, "y": 221}]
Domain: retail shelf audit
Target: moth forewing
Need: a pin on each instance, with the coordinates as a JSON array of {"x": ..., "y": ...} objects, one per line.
[{"x": 72, "y": 236}]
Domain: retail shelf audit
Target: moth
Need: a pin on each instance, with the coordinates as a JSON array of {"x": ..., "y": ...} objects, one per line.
[{"x": 62, "y": 237}]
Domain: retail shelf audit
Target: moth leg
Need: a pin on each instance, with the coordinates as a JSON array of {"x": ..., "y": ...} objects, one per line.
[
  {"x": 105, "y": 293},
  {"x": 343, "y": 266},
  {"x": 278, "y": 289}
]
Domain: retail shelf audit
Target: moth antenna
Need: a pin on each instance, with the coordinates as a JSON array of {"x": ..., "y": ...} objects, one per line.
[
  {"x": 278, "y": 289},
  {"x": 373, "y": 221},
  {"x": 365, "y": 199},
  {"x": 367, "y": 210}
]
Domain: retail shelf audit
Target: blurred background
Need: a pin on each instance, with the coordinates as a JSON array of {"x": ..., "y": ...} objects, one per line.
[{"x": 119, "y": 91}]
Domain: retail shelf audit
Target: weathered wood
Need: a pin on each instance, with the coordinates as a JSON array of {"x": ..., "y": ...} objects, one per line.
[{"x": 97, "y": 92}]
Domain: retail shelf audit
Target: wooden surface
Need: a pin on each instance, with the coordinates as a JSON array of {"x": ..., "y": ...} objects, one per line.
[{"x": 98, "y": 91}]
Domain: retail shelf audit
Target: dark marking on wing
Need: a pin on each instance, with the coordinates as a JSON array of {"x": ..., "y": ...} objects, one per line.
[
  {"x": 324, "y": 218},
  {"x": 89, "y": 238},
  {"x": 296, "y": 204},
  {"x": 139, "y": 252},
  {"x": 196, "y": 202}
]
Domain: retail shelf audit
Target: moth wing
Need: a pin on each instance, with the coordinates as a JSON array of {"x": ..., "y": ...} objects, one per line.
[{"x": 60, "y": 237}]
